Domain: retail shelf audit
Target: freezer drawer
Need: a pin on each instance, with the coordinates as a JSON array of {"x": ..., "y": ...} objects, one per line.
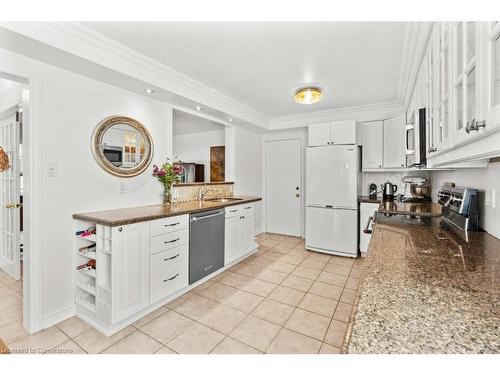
[{"x": 332, "y": 230}]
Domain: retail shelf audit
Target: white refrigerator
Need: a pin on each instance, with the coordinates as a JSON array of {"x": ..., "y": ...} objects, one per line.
[{"x": 332, "y": 188}]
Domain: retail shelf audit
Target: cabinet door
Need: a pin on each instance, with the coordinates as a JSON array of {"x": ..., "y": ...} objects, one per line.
[
  {"x": 492, "y": 62},
  {"x": 231, "y": 241},
  {"x": 372, "y": 144},
  {"x": 344, "y": 132},
  {"x": 443, "y": 78},
  {"x": 130, "y": 262},
  {"x": 366, "y": 211},
  {"x": 465, "y": 81},
  {"x": 319, "y": 134},
  {"x": 246, "y": 235},
  {"x": 394, "y": 142}
]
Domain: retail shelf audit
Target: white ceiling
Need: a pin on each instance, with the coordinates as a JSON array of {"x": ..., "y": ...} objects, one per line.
[
  {"x": 260, "y": 64},
  {"x": 185, "y": 123}
]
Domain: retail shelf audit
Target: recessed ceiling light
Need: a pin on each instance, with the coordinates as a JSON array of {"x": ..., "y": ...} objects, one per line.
[
  {"x": 230, "y": 119},
  {"x": 198, "y": 108},
  {"x": 308, "y": 95},
  {"x": 149, "y": 91}
]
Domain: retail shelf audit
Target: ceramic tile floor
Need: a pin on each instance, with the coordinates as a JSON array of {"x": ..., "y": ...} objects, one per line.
[{"x": 282, "y": 299}]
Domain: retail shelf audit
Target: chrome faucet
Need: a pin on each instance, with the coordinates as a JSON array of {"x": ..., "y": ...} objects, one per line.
[{"x": 203, "y": 191}]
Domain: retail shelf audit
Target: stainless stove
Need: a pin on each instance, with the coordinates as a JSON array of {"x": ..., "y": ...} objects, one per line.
[{"x": 460, "y": 208}]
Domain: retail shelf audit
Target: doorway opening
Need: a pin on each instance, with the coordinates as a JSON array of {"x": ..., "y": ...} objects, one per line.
[{"x": 13, "y": 105}]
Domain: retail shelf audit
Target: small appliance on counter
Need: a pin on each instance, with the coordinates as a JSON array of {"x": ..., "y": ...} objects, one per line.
[
  {"x": 460, "y": 209},
  {"x": 388, "y": 190},
  {"x": 416, "y": 189},
  {"x": 372, "y": 191}
]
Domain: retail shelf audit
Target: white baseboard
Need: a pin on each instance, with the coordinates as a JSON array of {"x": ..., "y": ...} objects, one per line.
[{"x": 58, "y": 317}]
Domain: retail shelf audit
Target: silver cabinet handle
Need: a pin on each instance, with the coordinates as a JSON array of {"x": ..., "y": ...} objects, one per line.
[
  {"x": 171, "y": 225},
  {"x": 233, "y": 210},
  {"x": 367, "y": 229},
  {"x": 474, "y": 125},
  {"x": 175, "y": 256},
  {"x": 206, "y": 217},
  {"x": 171, "y": 241},
  {"x": 170, "y": 278}
]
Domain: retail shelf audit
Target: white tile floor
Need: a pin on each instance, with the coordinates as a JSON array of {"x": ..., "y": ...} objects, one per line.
[{"x": 283, "y": 299}]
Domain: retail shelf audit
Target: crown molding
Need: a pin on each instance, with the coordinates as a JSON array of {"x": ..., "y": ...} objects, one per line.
[{"x": 367, "y": 112}]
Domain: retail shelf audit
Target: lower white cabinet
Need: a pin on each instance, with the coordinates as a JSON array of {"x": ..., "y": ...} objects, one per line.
[
  {"x": 366, "y": 212},
  {"x": 130, "y": 270},
  {"x": 239, "y": 232}
]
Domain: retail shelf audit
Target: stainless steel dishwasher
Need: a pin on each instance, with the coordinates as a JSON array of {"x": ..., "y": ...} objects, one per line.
[{"x": 206, "y": 243}]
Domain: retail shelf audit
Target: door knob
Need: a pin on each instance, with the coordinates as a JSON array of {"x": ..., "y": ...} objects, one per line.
[
  {"x": 297, "y": 195},
  {"x": 13, "y": 205}
]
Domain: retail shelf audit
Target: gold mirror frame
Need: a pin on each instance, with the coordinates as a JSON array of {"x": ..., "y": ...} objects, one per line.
[{"x": 98, "y": 153}]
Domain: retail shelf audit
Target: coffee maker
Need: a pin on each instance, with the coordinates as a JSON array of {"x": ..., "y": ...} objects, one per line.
[{"x": 372, "y": 191}]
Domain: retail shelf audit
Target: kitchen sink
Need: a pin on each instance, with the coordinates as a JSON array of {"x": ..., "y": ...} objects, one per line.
[{"x": 223, "y": 200}]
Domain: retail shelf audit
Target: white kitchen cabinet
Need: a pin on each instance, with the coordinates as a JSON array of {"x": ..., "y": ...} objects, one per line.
[
  {"x": 330, "y": 133},
  {"x": 366, "y": 212},
  {"x": 239, "y": 232},
  {"x": 319, "y": 134},
  {"x": 394, "y": 142},
  {"x": 372, "y": 144},
  {"x": 130, "y": 264},
  {"x": 231, "y": 239},
  {"x": 490, "y": 33}
]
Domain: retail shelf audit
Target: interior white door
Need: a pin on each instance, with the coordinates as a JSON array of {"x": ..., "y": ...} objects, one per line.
[
  {"x": 9, "y": 197},
  {"x": 283, "y": 187},
  {"x": 332, "y": 173}
]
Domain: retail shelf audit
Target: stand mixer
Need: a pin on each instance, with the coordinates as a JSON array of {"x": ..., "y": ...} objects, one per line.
[{"x": 416, "y": 189}]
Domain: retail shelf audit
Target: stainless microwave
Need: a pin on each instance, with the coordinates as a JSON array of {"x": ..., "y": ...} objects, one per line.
[{"x": 416, "y": 154}]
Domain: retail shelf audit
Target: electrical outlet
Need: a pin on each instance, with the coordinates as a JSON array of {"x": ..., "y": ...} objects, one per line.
[{"x": 123, "y": 187}]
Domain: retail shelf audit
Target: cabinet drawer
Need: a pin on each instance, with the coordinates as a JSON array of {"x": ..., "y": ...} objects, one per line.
[
  {"x": 169, "y": 280},
  {"x": 232, "y": 211},
  {"x": 168, "y": 257},
  {"x": 169, "y": 224},
  {"x": 169, "y": 241},
  {"x": 247, "y": 210}
]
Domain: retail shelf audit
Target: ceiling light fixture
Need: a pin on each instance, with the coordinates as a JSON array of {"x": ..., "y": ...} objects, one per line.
[
  {"x": 149, "y": 91},
  {"x": 197, "y": 108},
  {"x": 308, "y": 95},
  {"x": 230, "y": 119}
]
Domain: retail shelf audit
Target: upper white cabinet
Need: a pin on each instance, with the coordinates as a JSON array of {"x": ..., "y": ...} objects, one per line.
[
  {"x": 394, "y": 150},
  {"x": 336, "y": 132},
  {"x": 372, "y": 144},
  {"x": 491, "y": 46},
  {"x": 459, "y": 85}
]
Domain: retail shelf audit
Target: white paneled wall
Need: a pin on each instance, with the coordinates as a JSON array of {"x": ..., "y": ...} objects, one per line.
[{"x": 483, "y": 179}]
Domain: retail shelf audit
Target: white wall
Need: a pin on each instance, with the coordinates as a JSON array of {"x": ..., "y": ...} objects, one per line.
[
  {"x": 71, "y": 107},
  {"x": 484, "y": 179},
  {"x": 195, "y": 147}
]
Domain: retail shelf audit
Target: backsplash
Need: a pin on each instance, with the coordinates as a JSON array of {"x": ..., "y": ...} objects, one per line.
[
  {"x": 379, "y": 178},
  {"x": 186, "y": 193}
]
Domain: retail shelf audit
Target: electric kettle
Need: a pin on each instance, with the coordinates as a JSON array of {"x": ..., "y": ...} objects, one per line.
[{"x": 388, "y": 190}]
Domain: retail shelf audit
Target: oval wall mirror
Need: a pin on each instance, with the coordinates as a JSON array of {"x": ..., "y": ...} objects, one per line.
[{"x": 122, "y": 146}]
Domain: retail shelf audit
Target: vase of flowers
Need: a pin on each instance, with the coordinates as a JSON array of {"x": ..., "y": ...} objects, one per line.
[{"x": 168, "y": 174}]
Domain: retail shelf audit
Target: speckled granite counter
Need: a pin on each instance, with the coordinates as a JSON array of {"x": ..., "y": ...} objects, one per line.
[
  {"x": 133, "y": 215},
  {"x": 428, "y": 291}
]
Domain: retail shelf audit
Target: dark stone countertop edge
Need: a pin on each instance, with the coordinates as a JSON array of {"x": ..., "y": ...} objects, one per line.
[{"x": 114, "y": 223}]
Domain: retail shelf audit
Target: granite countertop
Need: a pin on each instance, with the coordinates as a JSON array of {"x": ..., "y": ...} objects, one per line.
[
  {"x": 427, "y": 290},
  {"x": 133, "y": 215}
]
